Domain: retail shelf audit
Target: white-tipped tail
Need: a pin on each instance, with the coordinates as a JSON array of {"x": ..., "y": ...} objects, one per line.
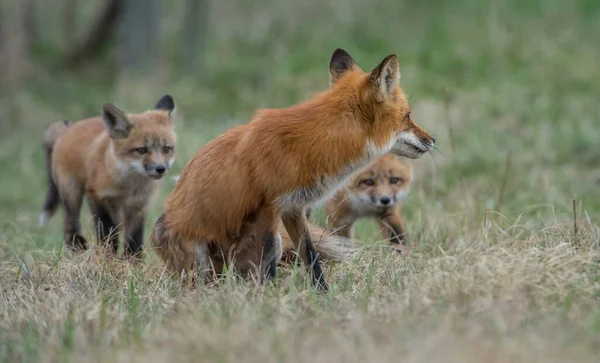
[
  {"x": 43, "y": 219},
  {"x": 329, "y": 246}
]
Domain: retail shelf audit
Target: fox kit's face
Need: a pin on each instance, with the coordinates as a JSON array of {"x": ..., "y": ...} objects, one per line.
[
  {"x": 382, "y": 106},
  {"x": 382, "y": 185},
  {"x": 144, "y": 143}
]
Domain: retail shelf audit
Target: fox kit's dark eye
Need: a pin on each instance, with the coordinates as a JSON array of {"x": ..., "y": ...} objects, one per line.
[
  {"x": 394, "y": 180},
  {"x": 407, "y": 116},
  {"x": 141, "y": 150},
  {"x": 369, "y": 182},
  {"x": 167, "y": 149}
]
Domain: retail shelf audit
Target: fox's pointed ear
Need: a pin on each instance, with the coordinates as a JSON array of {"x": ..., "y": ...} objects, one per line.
[
  {"x": 386, "y": 77},
  {"x": 340, "y": 63},
  {"x": 166, "y": 103},
  {"x": 116, "y": 121}
]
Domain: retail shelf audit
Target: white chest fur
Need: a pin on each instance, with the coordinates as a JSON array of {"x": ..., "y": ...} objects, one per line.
[{"x": 326, "y": 185}]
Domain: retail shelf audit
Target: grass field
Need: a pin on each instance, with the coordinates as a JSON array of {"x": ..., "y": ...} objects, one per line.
[{"x": 496, "y": 270}]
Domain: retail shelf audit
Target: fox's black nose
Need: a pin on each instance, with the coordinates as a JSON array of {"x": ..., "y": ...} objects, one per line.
[
  {"x": 433, "y": 140},
  {"x": 385, "y": 200},
  {"x": 160, "y": 169}
]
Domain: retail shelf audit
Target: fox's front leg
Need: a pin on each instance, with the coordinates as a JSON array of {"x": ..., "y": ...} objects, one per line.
[
  {"x": 296, "y": 224},
  {"x": 134, "y": 233},
  {"x": 71, "y": 197},
  {"x": 394, "y": 225},
  {"x": 106, "y": 228}
]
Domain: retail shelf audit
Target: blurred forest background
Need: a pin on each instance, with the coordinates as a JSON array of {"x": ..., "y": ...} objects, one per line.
[{"x": 509, "y": 87}]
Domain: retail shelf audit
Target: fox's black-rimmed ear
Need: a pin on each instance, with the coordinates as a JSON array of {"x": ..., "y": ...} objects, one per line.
[
  {"x": 166, "y": 103},
  {"x": 386, "y": 76},
  {"x": 116, "y": 121},
  {"x": 340, "y": 63}
]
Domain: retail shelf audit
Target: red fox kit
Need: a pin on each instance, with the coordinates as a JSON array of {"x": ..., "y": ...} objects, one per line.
[
  {"x": 116, "y": 161},
  {"x": 376, "y": 191},
  {"x": 232, "y": 194}
]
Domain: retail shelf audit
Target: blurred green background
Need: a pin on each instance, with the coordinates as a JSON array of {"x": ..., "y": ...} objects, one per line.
[{"x": 509, "y": 87}]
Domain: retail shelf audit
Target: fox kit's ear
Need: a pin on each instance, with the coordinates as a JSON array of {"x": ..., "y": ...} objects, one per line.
[
  {"x": 116, "y": 121},
  {"x": 166, "y": 103},
  {"x": 386, "y": 77},
  {"x": 340, "y": 62}
]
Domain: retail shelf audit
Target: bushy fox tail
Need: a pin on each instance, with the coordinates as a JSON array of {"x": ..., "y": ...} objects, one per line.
[
  {"x": 52, "y": 134},
  {"x": 328, "y": 245}
]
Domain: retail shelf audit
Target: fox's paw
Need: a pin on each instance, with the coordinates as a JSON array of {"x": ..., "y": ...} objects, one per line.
[
  {"x": 78, "y": 243},
  {"x": 399, "y": 248},
  {"x": 399, "y": 239}
]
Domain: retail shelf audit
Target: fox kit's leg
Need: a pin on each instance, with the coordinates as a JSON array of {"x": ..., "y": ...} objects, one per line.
[
  {"x": 342, "y": 226},
  {"x": 394, "y": 224},
  {"x": 106, "y": 228},
  {"x": 71, "y": 195},
  {"x": 134, "y": 234},
  {"x": 297, "y": 227},
  {"x": 339, "y": 219}
]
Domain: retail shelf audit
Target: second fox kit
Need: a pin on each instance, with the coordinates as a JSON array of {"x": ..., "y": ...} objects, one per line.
[
  {"x": 376, "y": 191},
  {"x": 116, "y": 161}
]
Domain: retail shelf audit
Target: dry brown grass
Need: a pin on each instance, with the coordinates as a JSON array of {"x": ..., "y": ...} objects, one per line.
[{"x": 499, "y": 294}]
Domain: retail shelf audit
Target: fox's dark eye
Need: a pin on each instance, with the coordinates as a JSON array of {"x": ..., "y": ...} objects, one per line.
[
  {"x": 167, "y": 149},
  {"x": 407, "y": 116},
  {"x": 141, "y": 150},
  {"x": 369, "y": 182},
  {"x": 394, "y": 180}
]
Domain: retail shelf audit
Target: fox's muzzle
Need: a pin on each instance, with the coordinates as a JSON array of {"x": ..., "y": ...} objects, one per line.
[
  {"x": 411, "y": 146},
  {"x": 156, "y": 171}
]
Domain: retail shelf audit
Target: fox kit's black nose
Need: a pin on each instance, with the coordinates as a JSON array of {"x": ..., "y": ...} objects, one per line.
[
  {"x": 385, "y": 200},
  {"x": 433, "y": 140},
  {"x": 160, "y": 169}
]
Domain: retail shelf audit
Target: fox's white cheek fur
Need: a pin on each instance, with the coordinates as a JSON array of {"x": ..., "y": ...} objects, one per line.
[
  {"x": 374, "y": 151},
  {"x": 137, "y": 166},
  {"x": 401, "y": 195},
  {"x": 361, "y": 202},
  {"x": 363, "y": 198},
  {"x": 409, "y": 138},
  {"x": 123, "y": 167}
]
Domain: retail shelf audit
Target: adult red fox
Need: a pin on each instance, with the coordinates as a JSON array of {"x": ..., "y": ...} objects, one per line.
[
  {"x": 116, "y": 161},
  {"x": 231, "y": 195},
  {"x": 376, "y": 191}
]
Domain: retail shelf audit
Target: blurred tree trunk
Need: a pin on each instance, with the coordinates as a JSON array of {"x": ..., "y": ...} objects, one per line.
[
  {"x": 138, "y": 36},
  {"x": 69, "y": 16},
  {"x": 99, "y": 34},
  {"x": 16, "y": 42},
  {"x": 195, "y": 25}
]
